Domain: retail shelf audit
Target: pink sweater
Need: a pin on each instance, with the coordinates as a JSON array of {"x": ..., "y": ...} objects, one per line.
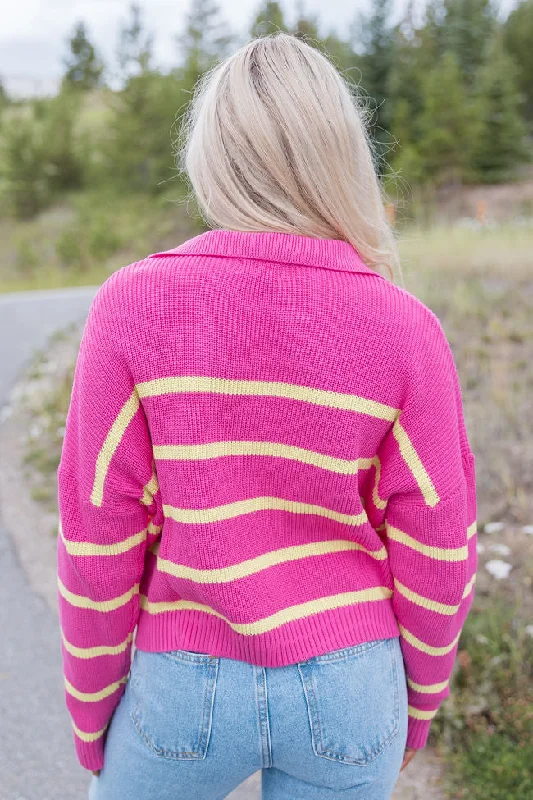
[{"x": 265, "y": 459}]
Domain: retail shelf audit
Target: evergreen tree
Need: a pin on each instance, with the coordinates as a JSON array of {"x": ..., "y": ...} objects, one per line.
[
  {"x": 269, "y": 18},
  {"x": 518, "y": 39},
  {"x": 84, "y": 69},
  {"x": 467, "y": 27},
  {"x": 373, "y": 34},
  {"x": 500, "y": 146},
  {"x": 446, "y": 126},
  {"x": 205, "y": 40},
  {"x": 135, "y": 48},
  {"x": 306, "y": 27}
]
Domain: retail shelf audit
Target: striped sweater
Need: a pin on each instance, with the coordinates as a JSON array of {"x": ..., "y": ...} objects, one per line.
[{"x": 265, "y": 458}]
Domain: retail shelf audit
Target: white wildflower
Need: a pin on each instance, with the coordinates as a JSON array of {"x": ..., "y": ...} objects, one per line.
[
  {"x": 500, "y": 549},
  {"x": 5, "y": 413},
  {"x": 498, "y": 569},
  {"x": 494, "y": 527},
  {"x": 480, "y": 547},
  {"x": 529, "y": 630},
  {"x": 528, "y": 529},
  {"x": 482, "y": 639}
]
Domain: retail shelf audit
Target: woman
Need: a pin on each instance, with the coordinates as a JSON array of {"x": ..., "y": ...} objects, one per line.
[{"x": 265, "y": 473}]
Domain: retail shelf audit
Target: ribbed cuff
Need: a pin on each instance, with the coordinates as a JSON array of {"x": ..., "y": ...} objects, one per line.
[
  {"x": 418, "y": 732},
  {"x": 90, "y": 754}
]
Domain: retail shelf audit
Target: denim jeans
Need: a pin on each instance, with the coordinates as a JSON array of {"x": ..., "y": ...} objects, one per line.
[{"x": 191, "y": 726}]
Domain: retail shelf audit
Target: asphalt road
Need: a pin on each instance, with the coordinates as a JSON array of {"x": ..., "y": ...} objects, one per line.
[{"x": 37, "y": 760}]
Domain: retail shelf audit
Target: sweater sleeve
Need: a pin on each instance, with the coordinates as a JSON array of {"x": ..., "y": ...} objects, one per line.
[
  {"x": 427, "y": 484},
  {"x": 106, "y": 497}
]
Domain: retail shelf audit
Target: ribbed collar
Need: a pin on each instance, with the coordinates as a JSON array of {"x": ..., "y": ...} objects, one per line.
[{"x": 285, "y": 248}]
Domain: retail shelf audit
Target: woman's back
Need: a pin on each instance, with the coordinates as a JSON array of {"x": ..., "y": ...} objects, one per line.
[{"x": 265, "y": 456}]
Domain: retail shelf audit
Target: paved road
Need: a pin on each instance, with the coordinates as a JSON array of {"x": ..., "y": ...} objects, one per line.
[{"x": 37, "y": 759}]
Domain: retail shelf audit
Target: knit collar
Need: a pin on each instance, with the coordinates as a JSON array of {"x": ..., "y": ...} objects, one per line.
[{"x": 286, "y": 248}]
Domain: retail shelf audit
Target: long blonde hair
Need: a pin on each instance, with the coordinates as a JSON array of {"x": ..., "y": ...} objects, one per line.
[{"x": 275, "y": 140}]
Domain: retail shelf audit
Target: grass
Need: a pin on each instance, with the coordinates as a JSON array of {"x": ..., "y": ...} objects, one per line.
[{"x": 80, "y": 241}]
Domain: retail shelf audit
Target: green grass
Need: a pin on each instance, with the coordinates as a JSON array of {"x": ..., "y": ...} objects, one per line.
[{"x": 89, "y": 235}]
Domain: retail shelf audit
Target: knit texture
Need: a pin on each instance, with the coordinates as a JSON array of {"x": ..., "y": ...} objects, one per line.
[{"x": 265, "y": 459}]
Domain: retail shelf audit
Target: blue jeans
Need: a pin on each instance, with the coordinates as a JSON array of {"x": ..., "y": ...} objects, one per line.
[{"x": 193, "y": 727}]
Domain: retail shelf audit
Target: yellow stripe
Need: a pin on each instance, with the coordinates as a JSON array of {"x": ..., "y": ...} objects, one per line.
[
  {"x": 425, "y": 602},
  {"x": 89, "y": 737},
  {"x": 95, "y": 652},
  {"x": 94, "y": 697},
  {"x": 410, "y": 456},
  {"x": 471, "y": 530},
  {"x": 469, "y": 586},
  {"x": 308, "y": 394},
  {"x": 378, "y": 502},
  {"x": 437, "y": 553},
  {"x": 290, "y": 614},
  {"x": 240, "y": 507},
  {"x": 428, "y": 688},
  {"x": 426, "y": 648},
  {"x": 417, "y": 713},
  {"x": 90, "y": 549},
  {"x": 189, "y": 452},
  {"x": 264, "y": 561},
  {"x": 112, "y": 441},
  {"x": 150, "y": 490},
  {"x": 80, "y": 601}
]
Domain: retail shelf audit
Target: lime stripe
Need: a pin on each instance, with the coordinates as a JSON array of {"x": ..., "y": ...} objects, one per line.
[
  {"x": 428, "y": 688},
  {"x": 95, "y": 652},
  {"x": 90, "y": 549},
  {"x": 94, "y": 697},
  {"x": 437, "y": 553},
  {"x": 426, "y": 648},
  {"x": 112, "y": 441},
  {"x": 89, "y": 737},
  {"x": 471, "y": 530},
  {"x": 240, "y": 507},
  {"x": 80, "y": 601},
  {"x": 411, "y": 458},
  {"x": 417, "y": 713},
  {"x": 253, "y": 565},
  {"x": 189, "y": 452},
  {"x": 150, "y": 490},
  {"x": 424, "y": 602},
  {"x": 289, "y": 391},
  {"x": 267, "y": 624}
]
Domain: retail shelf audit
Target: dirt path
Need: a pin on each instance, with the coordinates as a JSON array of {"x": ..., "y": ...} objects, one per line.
[{"x": 32, "y": 530}]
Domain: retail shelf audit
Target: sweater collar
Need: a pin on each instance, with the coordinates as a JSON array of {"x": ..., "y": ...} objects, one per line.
[{"x": 285, "y": 248}]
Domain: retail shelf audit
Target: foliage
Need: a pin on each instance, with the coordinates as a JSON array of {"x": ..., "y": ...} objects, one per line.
[
  {"x": 518, "y": 36},
  {"x": 84, "y": 69},
  {"x": 500, "y": 143}
]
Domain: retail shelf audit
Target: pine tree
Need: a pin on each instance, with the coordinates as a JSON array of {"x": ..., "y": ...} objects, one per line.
[
  {"x": 135, "y": 49},
  {"x": 269, "y": 19},
  {"x": 518, "y": 39},
  {"x": 445, "y": 125},
  {"x": 500, "y": 146},
  {"x": 374, "y": 35},
  {"x": 467, "y": 27},
  {"x": 205, "y": 40},
  {"x": 84, "y": 69}
]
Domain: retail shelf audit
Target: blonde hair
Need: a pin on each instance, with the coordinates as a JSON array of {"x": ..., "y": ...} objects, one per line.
[{"x": 275, "y": 140}]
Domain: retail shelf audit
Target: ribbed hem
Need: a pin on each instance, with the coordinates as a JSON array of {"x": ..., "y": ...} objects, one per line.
[
  {"x": 418, "y": 732},
  {"x": 90, "y": 754},
  {"x": 287, "y": 644}
]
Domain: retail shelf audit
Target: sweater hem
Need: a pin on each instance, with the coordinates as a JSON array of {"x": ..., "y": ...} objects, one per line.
[{"x": 287, "y": 644}]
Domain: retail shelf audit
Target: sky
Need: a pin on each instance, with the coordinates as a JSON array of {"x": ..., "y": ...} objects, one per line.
[{"x": 33, "y": 32}]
